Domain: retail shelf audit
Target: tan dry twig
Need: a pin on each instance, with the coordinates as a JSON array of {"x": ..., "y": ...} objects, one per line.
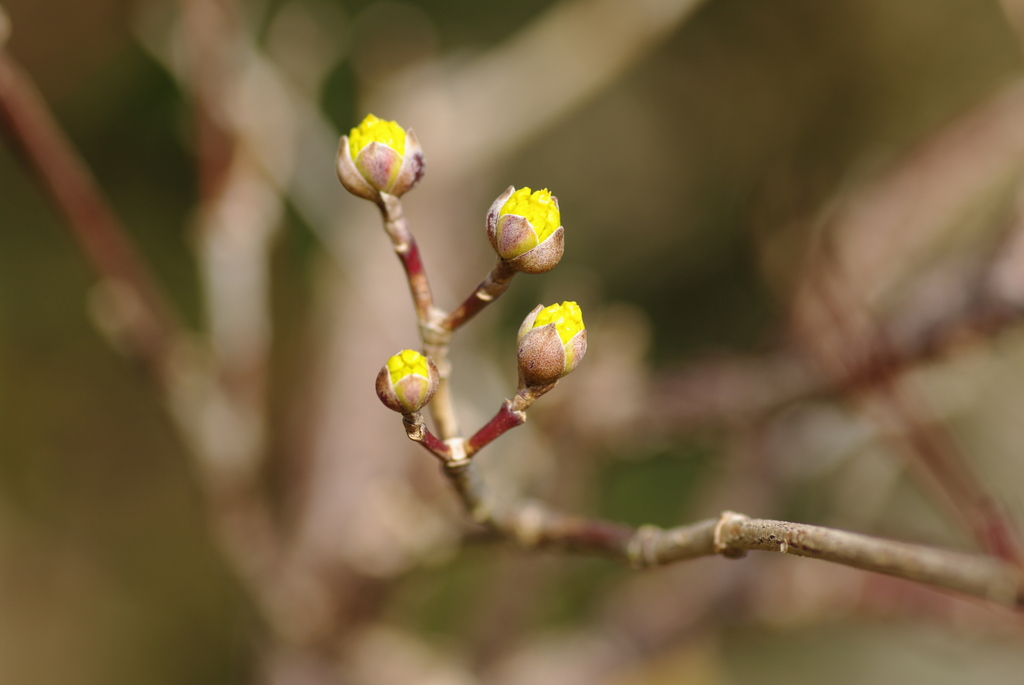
[{"x": 732, "y": 535}]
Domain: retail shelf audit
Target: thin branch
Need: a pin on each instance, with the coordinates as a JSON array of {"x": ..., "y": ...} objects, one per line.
[
  {"x": 241, "y": 522},
  {"x": 409, "y": 254},
  {"x": 981, "y": 576},
  {"x": 488, "y": 291},
  {"x": 731, "y": 535},
  {"x": 238, "y": 218},
  {"x": 942, "y": 178},
  {"x": 433, "y": 334},
  {"x": 418, "y": 432},
  {"x": 506, "y": 419}
]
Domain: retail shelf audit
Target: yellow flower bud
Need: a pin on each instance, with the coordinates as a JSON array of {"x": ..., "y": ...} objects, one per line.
[
  {"x": 525, "y": 229},
  {"x": 551, "y": 343},
  {"x": 379, "y": 156},
  {"x": 407, "y": 382}
]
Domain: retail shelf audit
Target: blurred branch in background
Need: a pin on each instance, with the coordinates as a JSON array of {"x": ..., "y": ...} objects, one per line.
[
  {"x": 149, "y": 326},
  {"x": 133, "y": 309},
  {"x": 486, "y": 108},
  {"x": 904, "y": 209}
]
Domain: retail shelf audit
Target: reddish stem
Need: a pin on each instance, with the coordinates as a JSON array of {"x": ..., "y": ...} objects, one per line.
[
  {"x": 580, "y": 534},
  {"x": 409, "y": 254},
  {"x": 504, "y": 420},
  {"x": 489, "y": 289},
  {"x": 434, "y": 444},
  {"x": 418, "y": 432},
  {"x": 414, "y": 271}
]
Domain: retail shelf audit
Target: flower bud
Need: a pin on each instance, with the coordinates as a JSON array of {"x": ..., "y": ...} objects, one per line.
[
  {"x": 379, "y": 156},
  {"x": 551, "y": 342},
  {"x": 407, "y": 382},
  {"x": 525, "y": 229}
]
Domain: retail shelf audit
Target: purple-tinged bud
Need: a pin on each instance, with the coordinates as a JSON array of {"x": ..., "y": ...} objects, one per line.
[
  {"x": 525, "y": 229},
  {"x": 551, "y": 343},
  {"x": 407, "y": 382},
  {"x": 377, "y": 157}
]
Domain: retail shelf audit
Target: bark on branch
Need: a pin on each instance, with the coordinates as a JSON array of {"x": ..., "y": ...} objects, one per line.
[{"x": 732, "y": 535}]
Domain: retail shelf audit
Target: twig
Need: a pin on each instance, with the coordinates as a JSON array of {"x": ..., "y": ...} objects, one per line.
[
  {"x": 981, "y": 576},
  {"x": 937, "y": 180},
  {"x": 495, "y": 284},
  {"x": 238, "y": 216},
  {"x": 506, "y": 419},
  {"x": 418, "y": 432},
  {"x": 732, "y": 535},
  {"x": 238, "y": 219},
  {"x": 434, "y": 335},
  {"x": 409, "y": 254}
]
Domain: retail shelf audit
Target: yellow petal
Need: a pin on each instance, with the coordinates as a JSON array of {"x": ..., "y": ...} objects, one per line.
[
  {"x": 567, "y": 317},
  {"x": 538, "y": 208},
  {"x": 406, "y": 363},
  {"x": 377, "y": 130}
]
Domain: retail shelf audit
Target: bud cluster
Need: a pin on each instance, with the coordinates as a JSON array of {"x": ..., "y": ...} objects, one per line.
[{"x": 378, "y": 158}]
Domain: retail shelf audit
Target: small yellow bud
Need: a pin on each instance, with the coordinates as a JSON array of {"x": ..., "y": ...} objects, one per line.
[
  {"x": 407, "y": 381},
  {"x": 525, "y": 229},
  {"x": 379, "y": 156},
  {"x": 551, "y": 343}
]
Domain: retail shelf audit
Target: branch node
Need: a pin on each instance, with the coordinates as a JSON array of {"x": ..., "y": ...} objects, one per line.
[
  {"x": 457, "y": 447},
  {"x": 722, "y": 535},
  {"x": 529, "y": 524},
  {"x": 432, "y": 331},
  {"x": 641, "y": 552},
  {"x": 414, "y": 427}
]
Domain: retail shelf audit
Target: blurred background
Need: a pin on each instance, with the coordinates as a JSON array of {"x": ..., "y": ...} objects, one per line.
[{"x": 795, "y": 231}]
